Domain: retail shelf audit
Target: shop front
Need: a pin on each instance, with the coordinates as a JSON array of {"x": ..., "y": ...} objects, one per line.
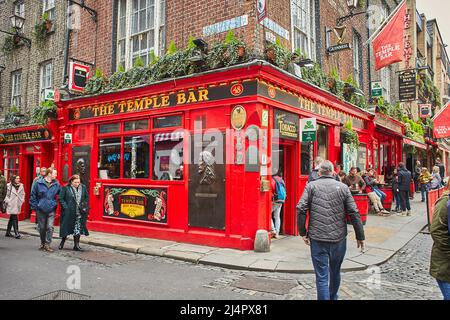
[
  {"x": 23, "y": 151},
  {"x": 192, "y": 160}
]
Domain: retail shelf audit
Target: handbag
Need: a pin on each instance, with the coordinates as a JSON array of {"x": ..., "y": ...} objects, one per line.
[{"x": 83, "y": 206}]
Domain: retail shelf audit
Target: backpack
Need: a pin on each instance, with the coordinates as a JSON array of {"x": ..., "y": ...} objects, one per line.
[{"x": 280, "y": 191}]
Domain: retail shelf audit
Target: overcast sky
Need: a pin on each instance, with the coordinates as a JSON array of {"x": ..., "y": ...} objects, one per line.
[{"x": 439, "y": 10}]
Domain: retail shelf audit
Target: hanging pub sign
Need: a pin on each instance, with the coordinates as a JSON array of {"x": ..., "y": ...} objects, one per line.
[
  {"x": 425, "y": 110},
  {"x": 136, "y": 203},
  {"x": 78, "y": 76},
  {"x": 25, "y": 136},
  {"x": 308, "y": 129},
  {"x": 340, "y": 32},
  {"x": 261, "y": 6},
  {"x": 407, "y": 86},
  {"x": 287, "y": 124}
]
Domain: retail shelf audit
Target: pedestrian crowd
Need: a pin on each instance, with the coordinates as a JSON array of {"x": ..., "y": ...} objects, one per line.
[{"x": 46, "y": 195}]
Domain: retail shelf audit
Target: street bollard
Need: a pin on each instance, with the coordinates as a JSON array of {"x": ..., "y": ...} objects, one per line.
[{"x": 262, "y": 243}]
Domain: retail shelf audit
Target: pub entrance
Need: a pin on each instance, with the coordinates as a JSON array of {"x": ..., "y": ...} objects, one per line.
[{"x": 283, "y": 157}]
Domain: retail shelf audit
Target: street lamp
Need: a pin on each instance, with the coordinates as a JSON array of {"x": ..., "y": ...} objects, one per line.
[
  {"x": 17, "y": 24},
  {"x": 352, "y": 5}
]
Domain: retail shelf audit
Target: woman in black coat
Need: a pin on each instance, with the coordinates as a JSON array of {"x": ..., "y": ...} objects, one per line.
[{"x": 74, "y": 211}]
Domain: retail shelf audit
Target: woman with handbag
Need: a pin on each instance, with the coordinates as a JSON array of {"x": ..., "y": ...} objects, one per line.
[
  {"x": 74, "y": 212},
  {"x": 15, "y": 197}
]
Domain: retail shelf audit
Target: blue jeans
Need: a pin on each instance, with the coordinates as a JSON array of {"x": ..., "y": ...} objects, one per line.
[
  {"x": 380, "y": 193},
  {"x": 327, "y": 259},
  {"x": 445, "y": 288},
  {"x": 398, "y": 201},
  {"x": 423, "y": 189},
  {"x": 276, "y": 221}
]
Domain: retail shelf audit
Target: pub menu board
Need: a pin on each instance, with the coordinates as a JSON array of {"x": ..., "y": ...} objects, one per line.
[
  {"x": 136, "y": 203},
  {"x": 407, "y": 86},
  {"x": 362, "y": 157},
  {"x": 287, "y": 123},
  {"x": 349, "y": 157}
]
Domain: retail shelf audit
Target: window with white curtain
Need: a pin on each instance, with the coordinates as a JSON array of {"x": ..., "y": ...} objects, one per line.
[
  {"x": 49, "y": 7},
  {"x": 46, "y": 78},
  {"x": 357, "y": 59},
  {"x": 386, "y": 83},
  {"x": 140, "y": 30},
  {"x": 304, "y": 27},
  {"x": 16, "y": 84}
]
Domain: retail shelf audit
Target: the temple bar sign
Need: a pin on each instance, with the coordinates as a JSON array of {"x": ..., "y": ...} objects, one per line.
[{"x": 25, "y": 136}]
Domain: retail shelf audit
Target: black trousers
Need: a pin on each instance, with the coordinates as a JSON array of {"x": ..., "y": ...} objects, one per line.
[{"x": 404, "y": 200}]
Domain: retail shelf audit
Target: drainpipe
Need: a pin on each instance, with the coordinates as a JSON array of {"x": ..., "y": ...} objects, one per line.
[{"x": 66, "y": 49}]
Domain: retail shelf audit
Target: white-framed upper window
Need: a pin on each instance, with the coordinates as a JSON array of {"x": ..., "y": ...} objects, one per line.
[
  {"x": 357, "y": 59},
  {"x": 19, "y": 8},
  {"x": 304, "y": 27},
  {"x": 140, "y": 30},
  {"x": 49, "y": 7},
  {"x": 386, "y": 83},
  {"x": 16, "y": 84},
  {"x": 46, "y": 81}
]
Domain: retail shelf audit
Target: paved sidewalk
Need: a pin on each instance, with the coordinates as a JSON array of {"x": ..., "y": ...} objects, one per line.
[{"x": 384, "y": 237}]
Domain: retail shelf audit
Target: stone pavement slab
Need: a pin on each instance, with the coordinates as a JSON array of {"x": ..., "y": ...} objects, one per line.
[{"x": 384, "y": 237}]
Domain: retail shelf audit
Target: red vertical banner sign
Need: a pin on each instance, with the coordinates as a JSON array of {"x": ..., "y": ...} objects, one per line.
[
  {"x": 261, "y": 7},
  {"x": 388, "y": 45}
]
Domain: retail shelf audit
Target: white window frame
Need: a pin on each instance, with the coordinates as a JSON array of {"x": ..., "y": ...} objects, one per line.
[
  {"x": 46, "y": 78},
  {"x": 49, "y": 6},
  {"x": 19, "y": 8},
  {"x": 357, "y": 57},
  {"x": 386, "y": 83},
  {"x": 16, "y": 88},
  {"x": 125, "y": 37},
  {"x": 307, "y": 28}
]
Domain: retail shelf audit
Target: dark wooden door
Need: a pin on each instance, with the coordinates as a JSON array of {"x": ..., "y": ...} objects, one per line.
[
  {"x": 207, "y": 186},
  {"x": 81, "y": 159}
]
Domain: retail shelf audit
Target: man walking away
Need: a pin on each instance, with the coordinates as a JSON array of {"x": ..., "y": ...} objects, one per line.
[
  {"x": 279, "y": 197},
  {"x": 329, "y": 203},
  {"x": 404, "y": 182},
  {"x": 43, "y": 201},
  {"x": 417, "y": 173}
]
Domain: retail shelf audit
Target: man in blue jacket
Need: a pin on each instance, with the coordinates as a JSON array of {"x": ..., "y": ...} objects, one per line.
[{"x": 43, "y": 201}]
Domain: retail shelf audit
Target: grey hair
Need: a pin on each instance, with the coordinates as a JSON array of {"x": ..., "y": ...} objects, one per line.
[
  {"x": 326, "y": 167},
  {"x": 318, "y": 161}
]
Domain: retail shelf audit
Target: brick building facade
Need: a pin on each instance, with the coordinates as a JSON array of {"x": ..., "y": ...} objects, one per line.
[{"x": 29, "y": 70}]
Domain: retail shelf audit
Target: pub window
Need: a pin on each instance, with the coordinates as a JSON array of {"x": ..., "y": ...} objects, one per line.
[
  {"x": 166, "y": 122},
  {"x": 322, "y": 142},
  {"x": 109, "y": 158},
  {"x": 109, "y": 128},
  {"x": 136, "y": 125},
  {"x": 168, "y": 156},
  {"x": 136, "y": 157},
  {"x": 11, "y": 162},
  {"x": 304, "y": 26}
]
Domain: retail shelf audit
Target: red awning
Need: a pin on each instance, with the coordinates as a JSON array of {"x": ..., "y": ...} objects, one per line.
[
  {"x": 442, "y": 123},
  {"x": 416, "y": 144}
]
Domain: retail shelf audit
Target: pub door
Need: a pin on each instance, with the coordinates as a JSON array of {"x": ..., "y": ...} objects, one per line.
[
  {"x": 207, "y": 184},
  {"x": 27, "y": 181},
  {"x": 285, "y": 151}
]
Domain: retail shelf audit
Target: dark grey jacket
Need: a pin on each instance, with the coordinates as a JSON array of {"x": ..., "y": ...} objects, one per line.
[
  {"x": 329, "y": 203},
  {"x": 404, "y": 179}
]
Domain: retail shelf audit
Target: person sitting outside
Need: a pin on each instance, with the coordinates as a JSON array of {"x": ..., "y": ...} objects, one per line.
[
  {"x": 354, "y": 181},
  {"x": 373, "y": 183},
  {"x": 373, "y": 197},
  {"x": 436, "y": 181}
]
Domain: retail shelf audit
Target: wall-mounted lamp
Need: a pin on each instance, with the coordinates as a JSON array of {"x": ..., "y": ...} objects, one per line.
[
  {"x": 17, "y": 23},
  {"x": 352, "y": 5}
]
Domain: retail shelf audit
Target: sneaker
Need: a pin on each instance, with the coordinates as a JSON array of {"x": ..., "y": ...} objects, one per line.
[
  {"x": 385, "y": 212},
  {"x": 408, "y": 213},
  {"x": 42, "y": 247}
]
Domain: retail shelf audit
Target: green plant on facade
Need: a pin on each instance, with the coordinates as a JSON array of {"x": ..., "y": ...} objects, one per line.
[
  {"x": 41, "y": 30},
  {"x": 96, "y": 84},
  {"x": 413, "y": 130},
  {"x": 41, "y": 114},
  {"x": 428, "y": 91},
  {"x": 390, "y": 110},
  {"x": 10, "y": 44},
  {"x": 335, "y": 84},
  {"x": 278, "y": 55},
  {"x": 350, "y": 136},
  {"x": 229, "y": 52}
]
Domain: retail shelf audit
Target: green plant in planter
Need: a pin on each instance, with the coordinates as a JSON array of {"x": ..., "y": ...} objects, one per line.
[
  {"x": 349, "y": 136},
  {"x": 9, "y": 45},
  {"x": 41, "y": 29},
  {"x": 41, "y": 114},
  {"x": 96, "y": 84},
  {"x": 137, "y": 75},
  {"x": 278, "y": 55},
  {"x": 118, "y": 80},
  {"x": 229, "y": 52},
  {"x": 335, "y": 84}
]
